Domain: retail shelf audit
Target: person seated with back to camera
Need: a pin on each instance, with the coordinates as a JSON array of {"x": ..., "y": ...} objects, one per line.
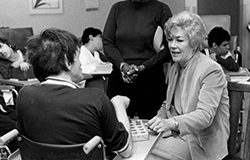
[
  {"x": 218, "y": 42},
  {"x": 10, "y": 57},
  {"x": 73, "y": 114}
]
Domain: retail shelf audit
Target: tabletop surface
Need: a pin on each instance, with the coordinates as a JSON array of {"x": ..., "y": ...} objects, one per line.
[
  {"x": 18, "y": 83},
  {"x": 142, "y": 149}
]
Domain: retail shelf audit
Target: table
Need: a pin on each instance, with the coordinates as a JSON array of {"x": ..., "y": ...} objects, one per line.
[
  {"x": 236, "y": 91},
  {"x": 98, "y": 80},
  {"x": 18, "y": 83},
  {"x": 142, "y": 149}
]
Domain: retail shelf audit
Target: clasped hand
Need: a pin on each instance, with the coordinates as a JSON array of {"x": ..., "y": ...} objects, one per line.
[{"x": 130, "y": 72}]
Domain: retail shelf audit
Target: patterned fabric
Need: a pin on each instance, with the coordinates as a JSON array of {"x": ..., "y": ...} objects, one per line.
[{"x": 5, "y": 68}]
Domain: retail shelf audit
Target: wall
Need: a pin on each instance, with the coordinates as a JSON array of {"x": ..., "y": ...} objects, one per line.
[
  {"x": 15, "y": 13},
  {"x": 175, "y": 5}
]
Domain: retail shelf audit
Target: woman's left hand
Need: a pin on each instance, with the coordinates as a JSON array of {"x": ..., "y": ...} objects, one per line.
[
  {"x": 24, "y": 66},
  {"x": 159, "y": 124}
]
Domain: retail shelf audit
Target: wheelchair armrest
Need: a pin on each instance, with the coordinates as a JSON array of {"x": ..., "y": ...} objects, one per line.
[
  {"x": 8, "y": 137},
  {"x": 92, "y": 143}
]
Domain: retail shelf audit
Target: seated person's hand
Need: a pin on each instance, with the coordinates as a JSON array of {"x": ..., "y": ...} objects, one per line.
[
  {"x": 160, "y": 124},
  {"x": 120, "y": 101},
  {"x": 24, "y": 66},
  {"x": 15, "y": 64}
]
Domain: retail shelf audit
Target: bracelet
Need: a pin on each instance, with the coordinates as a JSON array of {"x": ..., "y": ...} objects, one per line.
[
  {"x": 176, "y": 128},
  {"x": 121, "y": 65}
]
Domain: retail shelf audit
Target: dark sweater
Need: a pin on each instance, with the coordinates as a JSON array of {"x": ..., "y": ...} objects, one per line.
[{"x": 129, "y": 31}]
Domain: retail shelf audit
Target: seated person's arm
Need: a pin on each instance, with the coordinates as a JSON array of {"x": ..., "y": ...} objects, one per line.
[
  {"x": 228, "y": 63},
  {"x": 24, "y": 66},
  {"x": 120, "y": 104}
]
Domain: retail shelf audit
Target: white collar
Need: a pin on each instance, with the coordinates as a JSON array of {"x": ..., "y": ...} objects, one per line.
[{"x": 60, "y": 81}]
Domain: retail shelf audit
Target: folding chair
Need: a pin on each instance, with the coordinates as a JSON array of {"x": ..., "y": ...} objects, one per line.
[{"x": 29, "y": 149}]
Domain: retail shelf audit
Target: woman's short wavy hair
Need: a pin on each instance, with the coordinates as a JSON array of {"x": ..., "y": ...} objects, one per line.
[
  {"x": 191, "y": 24},
  {"x": 49, "y": 50}
]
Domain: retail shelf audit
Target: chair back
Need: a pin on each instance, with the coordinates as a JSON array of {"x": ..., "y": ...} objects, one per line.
[{"x": 30, "y": 150}]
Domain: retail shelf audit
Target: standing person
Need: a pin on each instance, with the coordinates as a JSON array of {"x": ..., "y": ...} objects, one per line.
[
  {"x": 57, "y": 111},
  {"x": 218, "y": 42},
  {"x": 196, "y": 110},
  {"x": 10, "y": 57},
  {"x": 137, "y": 67}
]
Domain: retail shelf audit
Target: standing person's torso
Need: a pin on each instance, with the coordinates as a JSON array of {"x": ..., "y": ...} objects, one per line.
[{"x": 136, "y": 25}]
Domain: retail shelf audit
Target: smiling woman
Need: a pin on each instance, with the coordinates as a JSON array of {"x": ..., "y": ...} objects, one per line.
[{"x": 196, "y": 110}]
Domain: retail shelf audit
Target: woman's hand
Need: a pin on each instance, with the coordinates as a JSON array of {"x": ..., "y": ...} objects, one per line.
[
  {"x": 24, "y": 66},
  {"x": 161, "y": 125}
]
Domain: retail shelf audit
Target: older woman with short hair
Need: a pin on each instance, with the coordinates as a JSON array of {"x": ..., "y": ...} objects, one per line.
[{"x": 196, "y": 111}]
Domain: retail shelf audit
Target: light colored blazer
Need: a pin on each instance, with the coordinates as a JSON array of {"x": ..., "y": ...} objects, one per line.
[{"x": 205, "y": 107}]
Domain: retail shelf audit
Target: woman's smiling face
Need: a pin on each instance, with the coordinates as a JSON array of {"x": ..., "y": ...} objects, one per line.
[{"x": 179, "y": 46}]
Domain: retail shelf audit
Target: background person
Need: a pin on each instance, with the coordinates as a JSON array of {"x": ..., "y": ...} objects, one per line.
[
  {"x": 196, "y": 110},
  {"x": 57, "y": 111},
  {"x": 219, "y": 49},
  {"x": 92, "y": 57},
  {"x": 10, "y": 57},
  {"x": 137, "y": 67},
  {"x": 90, "y": 50}
]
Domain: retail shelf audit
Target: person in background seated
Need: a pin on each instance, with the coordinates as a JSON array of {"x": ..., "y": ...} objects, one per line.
[
  {"x": 91, "y": 54},
  {"x": 218, "y": 42},
  {"x": 57, "y": 111},
  {"x": 194, "y": 118},
  {"x": 90, "y": 50},
  {"x": 10, "y": 56}
]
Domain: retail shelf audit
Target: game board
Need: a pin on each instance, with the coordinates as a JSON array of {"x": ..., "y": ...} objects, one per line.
[{"x": 139, "y": 131}]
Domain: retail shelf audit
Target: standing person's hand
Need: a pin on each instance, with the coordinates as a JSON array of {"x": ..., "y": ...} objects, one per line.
[{"x": 130, "y": 72}]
